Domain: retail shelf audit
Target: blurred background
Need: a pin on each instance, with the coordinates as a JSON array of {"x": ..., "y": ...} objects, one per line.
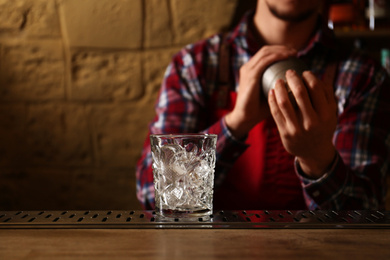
[{"x": 78, "y": 81}]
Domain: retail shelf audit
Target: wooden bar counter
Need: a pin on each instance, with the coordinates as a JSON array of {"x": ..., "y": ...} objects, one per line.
[
  {"x": 195, "y": 244},
  {"x": 230, "y": 235}
]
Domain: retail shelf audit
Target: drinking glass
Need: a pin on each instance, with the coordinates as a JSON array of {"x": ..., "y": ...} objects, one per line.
[{"x": 183, "y": 171}]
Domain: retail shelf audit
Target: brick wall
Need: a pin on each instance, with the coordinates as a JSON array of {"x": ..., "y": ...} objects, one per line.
[{"x": 78, "y": 80}]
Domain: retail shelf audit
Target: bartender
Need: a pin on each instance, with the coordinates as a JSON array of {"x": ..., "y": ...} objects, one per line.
[{"x": 328, "y": 151}]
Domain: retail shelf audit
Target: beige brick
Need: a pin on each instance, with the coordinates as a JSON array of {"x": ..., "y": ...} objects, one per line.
[
  {"x": 12, "y": 135},
  {"x": 67, "y": 189},
  {"x": 31, "y": 70},
  {"x": 119, "y": 131},
  {"x": 13, "y": 147},
  {"x": 194, "y": 20},
  {"x": 104, "y": 188},
  {"x": 34, "y": 189},
  {"x": 57, "y": 134},
  {"x": 99, "y": 75},
  {"x": 12, "y": 115},
  {"x": 11, "y": 15},
  {"x": 103, "y": 23},
  {"x": 158, "y": 28},
  {"x": 32, "y": 17}
]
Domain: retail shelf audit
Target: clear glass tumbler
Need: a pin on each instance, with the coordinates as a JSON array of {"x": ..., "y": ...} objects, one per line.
[{"x": 183, "y": 170}]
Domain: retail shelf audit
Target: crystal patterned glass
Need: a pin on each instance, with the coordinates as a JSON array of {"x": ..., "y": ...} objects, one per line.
[{"x": 183, "y": 171}]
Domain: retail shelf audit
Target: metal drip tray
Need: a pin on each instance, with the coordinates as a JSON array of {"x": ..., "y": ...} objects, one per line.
[{"x": 220, "y": 219}]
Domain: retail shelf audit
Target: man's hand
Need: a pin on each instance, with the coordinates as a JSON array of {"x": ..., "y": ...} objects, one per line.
[
  {"x": 307, "y": 131},
  {"x": 250, "y": 109}
]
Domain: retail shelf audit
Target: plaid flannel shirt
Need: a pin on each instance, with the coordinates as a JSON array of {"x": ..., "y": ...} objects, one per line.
[{"x": 356, "y": 179}]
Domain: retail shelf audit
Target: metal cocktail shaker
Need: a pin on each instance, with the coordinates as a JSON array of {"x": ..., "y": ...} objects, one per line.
[{"x": 277, "y": 71}]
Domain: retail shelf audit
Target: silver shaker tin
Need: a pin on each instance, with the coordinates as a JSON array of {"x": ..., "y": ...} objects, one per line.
[{"x": 277, "y": 71}]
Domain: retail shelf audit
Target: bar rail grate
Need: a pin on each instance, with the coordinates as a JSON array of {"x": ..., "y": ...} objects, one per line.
[{"x": 219, "y": 219}]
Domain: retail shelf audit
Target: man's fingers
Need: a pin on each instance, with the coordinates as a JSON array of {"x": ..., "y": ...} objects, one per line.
[
  {"x": 268, "y": 55},
  {"x": 284, "y": 104},
  {"x": 316, "y": 91},
  {"x": 275, "y": 111},
  {"x": 301, "y": 94},
  {"x": 321, "y": 94}
]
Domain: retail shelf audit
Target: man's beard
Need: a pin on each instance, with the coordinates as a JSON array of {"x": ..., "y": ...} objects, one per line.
[{"x": 292, "y": 17}]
